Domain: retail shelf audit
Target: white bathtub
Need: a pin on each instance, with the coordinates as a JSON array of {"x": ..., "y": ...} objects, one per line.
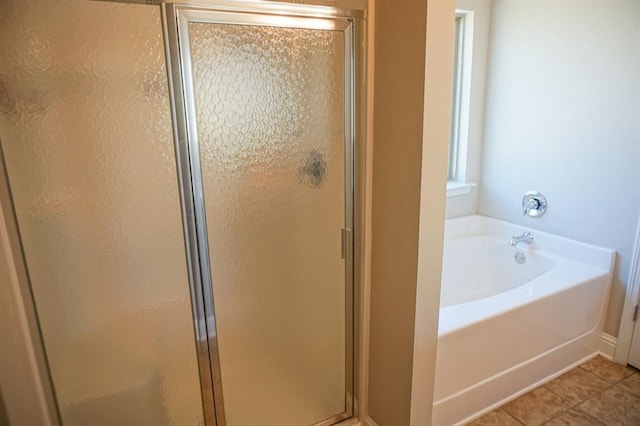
[{"x": 506, "y": 327}]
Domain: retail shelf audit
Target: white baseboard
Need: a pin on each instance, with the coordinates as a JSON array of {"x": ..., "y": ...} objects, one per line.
[{"x": 607, "y": 345}]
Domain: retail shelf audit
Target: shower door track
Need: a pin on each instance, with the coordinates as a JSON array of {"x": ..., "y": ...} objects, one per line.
[{"x": 175, "y": 26}]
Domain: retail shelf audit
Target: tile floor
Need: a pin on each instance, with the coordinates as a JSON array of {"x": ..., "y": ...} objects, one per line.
[{"x": 598, "y": 392}]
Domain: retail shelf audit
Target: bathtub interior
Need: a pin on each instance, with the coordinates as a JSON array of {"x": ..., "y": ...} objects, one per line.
[{"x": 481, "y": 266}]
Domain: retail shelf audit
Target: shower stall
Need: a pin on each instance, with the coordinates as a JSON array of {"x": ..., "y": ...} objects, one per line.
[{"x": 184, "y": 181}]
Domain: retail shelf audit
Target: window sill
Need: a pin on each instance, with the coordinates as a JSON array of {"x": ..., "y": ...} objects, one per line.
[{"x": 455, "y": 189}]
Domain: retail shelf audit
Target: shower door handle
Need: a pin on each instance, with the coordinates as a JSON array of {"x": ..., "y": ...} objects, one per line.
[{"x": 346, "y": 242}]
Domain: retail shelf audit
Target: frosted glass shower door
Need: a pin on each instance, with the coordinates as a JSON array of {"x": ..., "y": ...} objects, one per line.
[
  {"x": 271, "y": 132},
  {"x": 86, "y": 132}
]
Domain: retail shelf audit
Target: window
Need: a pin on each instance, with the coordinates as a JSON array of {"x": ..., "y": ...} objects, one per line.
[
  {"x": 454, "y": 133},
  {"x": 461, "y": 90}
]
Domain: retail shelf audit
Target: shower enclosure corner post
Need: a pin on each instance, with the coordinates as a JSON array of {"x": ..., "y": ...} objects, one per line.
[{"x": 192, "y": 201}]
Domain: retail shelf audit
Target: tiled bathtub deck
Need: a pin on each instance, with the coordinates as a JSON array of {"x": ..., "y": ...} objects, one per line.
[{"x": 599, "y": 392}]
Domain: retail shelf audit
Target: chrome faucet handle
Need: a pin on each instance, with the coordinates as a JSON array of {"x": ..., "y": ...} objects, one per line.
[{"x": 534, "y": 204}]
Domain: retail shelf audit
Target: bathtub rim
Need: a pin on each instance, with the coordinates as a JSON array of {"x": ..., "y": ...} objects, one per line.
[{"x": 545, "y": 243}]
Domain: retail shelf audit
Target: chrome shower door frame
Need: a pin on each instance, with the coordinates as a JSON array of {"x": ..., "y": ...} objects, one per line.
[{"x": 176, "y": 18}]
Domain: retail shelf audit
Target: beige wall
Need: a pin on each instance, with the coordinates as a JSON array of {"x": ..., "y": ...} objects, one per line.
[{"x": 400, "y": 37}]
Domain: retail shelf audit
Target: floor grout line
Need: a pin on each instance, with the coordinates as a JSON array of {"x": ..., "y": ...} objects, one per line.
[
  {"x": 574, "y": 404},
  {"x": 517, "y": 420}
]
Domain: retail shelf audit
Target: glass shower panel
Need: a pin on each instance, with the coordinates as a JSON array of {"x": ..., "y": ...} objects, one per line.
[
  {"x": 85, "y": 126},
  {"x": 270, "y": 113}
]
